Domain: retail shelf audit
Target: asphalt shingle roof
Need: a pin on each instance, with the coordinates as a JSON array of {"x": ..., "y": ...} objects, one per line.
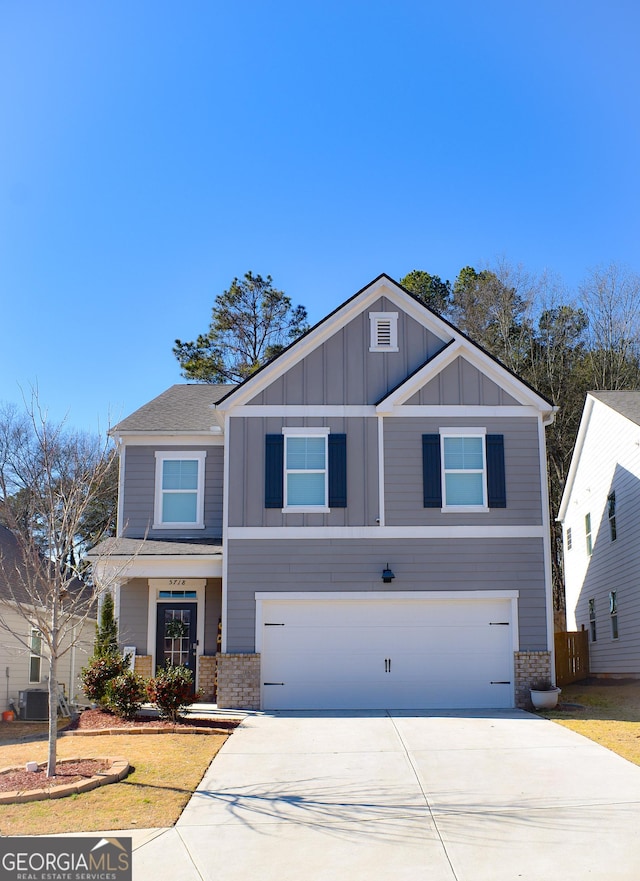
[
  {"x": 626, "y": 403},
  {"x": 183, "y": 407},
  {"x": 138, "y": 547}
]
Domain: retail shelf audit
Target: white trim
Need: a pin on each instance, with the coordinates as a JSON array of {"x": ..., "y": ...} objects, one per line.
[
  {"x": 286, "y": 410},
  {"x": 163, "y": 456},
  {"x": 125, "y": 568},
  {"x": 375, "y": 320},
  {"x": 167, "y": 438},
  {"x": 121, "y": 476},
  {"x": 463, "y": 348},
  {"x": 271, "y": 533},
  {"x": 225, "y": 534},
  {"x": 577, "y": 453},
  {"x": 470, "y": 433},
  {"x": 381, "y": 500},
  {"x": 381, "y": 287},
  {"x": 546, "y": 517},
  {"x": 306, "y": 433}
]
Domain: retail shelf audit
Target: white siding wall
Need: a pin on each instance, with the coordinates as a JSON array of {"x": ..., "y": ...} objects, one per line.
[{"x": 610, "y": 461}]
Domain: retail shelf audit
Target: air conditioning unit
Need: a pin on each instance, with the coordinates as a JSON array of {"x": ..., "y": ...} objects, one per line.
[{"x": 34, "y": 705}]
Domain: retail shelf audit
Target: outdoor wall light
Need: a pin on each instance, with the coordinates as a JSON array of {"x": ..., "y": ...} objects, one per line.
[{"x": 387, "y": 575}]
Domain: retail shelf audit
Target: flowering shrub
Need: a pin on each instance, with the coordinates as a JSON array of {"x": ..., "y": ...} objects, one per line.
[
  {"x": 125, "y": 693},
  {"x": 98, "y": 673},
  {"x": 171, "y": 691}
]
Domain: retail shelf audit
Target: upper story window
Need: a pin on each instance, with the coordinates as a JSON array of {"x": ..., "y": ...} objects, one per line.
[
  {"x": 588, "y": 536},
  {"x": 384, "y": 331},
  {"x": 305, "y": 469},
  {"x": 611, "y": 511},
  {"x": 179, "y": 498},
  {"x": 463, "y": 470},
  {"x": 569, "y": 539}
]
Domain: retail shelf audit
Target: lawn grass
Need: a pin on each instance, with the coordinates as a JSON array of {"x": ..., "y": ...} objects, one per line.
[
  {"x": 608, "y": 713},
  {"x": 166, "y": 770}
]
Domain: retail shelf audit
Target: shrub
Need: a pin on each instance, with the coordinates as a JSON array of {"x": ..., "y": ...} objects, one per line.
[
  {"x": 98, "y": 673},
  {"x": 125, "y": 693},
  {"x": 171, "y": 691}
]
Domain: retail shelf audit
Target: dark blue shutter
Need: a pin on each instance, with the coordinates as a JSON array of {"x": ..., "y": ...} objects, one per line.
[
  {"x": 431, "y": 477},
  {"x": 496, "y": 486},
  {"x": 337, "y": 471},
  {"x": 274, "y": 471}
]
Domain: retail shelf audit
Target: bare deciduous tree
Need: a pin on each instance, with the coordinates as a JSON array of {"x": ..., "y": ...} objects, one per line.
[{"x": 51, "y": 482}]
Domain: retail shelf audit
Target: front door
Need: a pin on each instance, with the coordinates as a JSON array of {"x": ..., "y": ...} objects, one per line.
[{"x": 176, "y": 635}]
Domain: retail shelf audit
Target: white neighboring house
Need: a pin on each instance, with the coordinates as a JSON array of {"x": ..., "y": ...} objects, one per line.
[
  {"x": 23, "y": 668},
  {"x": 600, "y": 516}
]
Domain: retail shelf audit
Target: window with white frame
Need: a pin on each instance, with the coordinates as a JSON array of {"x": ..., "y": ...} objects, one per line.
[
  {"x": 179, "y": 499},
  {"x": 569, "y": 539},
  {"x": 305, "y": 469},
  {"x": 35, "y": 655},
  {"x": 464, "y": 470},
  {"x": 384, "y": 331}
]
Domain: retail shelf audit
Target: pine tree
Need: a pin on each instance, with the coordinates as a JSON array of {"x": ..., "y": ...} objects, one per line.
[{"x": 106, "y": 642}]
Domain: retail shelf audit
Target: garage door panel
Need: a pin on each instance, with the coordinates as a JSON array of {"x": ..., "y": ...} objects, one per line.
[{"x": 355, "y": 654}]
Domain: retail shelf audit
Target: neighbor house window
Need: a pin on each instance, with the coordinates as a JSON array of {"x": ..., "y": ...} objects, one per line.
[
  {"x": 611, "y": 511},
  {"x": 384, "y": 331},
  {"x": 464, "y": 471},
  {"x": 613, "y": 612},
  {"x": 305, "y": 469},
  {"x": 179, "y": 498},
  {"x": 587, "y": 532},
  {"x": 35, "y": 655},
  {"x": 592, "y": 620},
  {"x": 569, "y": 539}
]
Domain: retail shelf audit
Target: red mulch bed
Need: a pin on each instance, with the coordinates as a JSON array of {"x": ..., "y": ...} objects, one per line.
[
  {"x": 74, "y": 771},
  {"x": 94, "y": 720}
]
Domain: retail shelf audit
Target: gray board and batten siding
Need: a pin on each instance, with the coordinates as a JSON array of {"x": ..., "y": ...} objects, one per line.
[
  {"x": 419, "y": 564},
  {"x": 139, "y": 492},
  {"x": 342, "y": 371}
]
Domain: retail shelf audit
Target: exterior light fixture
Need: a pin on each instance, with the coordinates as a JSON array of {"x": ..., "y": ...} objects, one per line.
[{"x": 387, "y": 575}]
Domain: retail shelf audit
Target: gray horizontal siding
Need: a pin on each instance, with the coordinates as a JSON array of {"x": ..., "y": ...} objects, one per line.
[
  {"x": 403, "y": 472},
  {"x": 335, "y": 565},
  {"x": 344, "y": 371},
  {"x": 133, "y": 616},
  {"x": 139, "y": 493}
]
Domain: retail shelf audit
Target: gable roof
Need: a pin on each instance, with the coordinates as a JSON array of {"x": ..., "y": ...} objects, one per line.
[
  {"x": 626, "y": 403},
  {"x": 384, "y": 285},
  {"x": 184, "y": 407}
]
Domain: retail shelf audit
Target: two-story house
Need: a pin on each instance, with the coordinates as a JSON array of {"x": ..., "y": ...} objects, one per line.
[
  {"x": 363, "y": 523},
  {"x": 599, "y": 512}
]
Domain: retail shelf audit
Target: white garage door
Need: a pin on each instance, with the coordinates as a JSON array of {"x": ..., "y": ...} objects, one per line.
[{"x": 386, "y": 653}]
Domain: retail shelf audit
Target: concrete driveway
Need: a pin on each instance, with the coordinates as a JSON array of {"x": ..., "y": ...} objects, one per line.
[{"x": 467, "y": 795}]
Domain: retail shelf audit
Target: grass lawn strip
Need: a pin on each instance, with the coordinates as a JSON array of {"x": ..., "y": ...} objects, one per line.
[{"x": 165, "y": 771}]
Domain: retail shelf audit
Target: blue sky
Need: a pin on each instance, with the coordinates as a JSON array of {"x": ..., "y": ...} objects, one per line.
[{"x": 151, "y": 151}]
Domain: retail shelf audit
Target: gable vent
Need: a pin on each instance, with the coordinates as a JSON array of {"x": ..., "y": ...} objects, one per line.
[{"x": 384, "y": 331}]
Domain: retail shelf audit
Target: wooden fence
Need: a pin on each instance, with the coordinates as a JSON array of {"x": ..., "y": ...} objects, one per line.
[{"x": 572, "y": 656}]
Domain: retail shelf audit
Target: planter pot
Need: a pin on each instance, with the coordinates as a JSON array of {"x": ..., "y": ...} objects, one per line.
[{"x": 545, "y": 700}]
